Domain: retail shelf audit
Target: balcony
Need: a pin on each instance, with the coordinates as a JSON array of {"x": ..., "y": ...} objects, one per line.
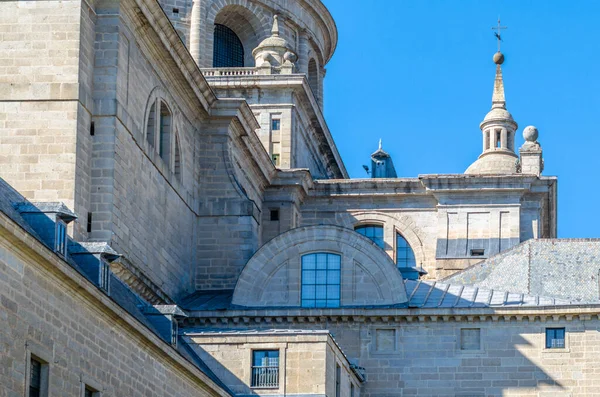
[{"x": 265, "y": 376}]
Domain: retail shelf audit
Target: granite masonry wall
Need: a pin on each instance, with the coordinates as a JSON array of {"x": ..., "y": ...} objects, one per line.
[{"x": 51, "y": 312}]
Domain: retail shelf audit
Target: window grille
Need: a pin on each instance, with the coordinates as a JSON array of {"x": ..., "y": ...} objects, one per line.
[
  {"x": 61, "y": 238},
  {"x": 555, "y": 338},
  {"x": 265, "y": 368},
  {"x": 405, "y": 257},
  {"x": 373, "y": 233},
  {"x": 228, "y": 50},
  {"x": 321, "y": 274}
]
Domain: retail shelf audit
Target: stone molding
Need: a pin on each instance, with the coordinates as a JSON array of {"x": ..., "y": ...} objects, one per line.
[
  {"x": 394, "y": 223},
  {"x": 275, "y": 269}
]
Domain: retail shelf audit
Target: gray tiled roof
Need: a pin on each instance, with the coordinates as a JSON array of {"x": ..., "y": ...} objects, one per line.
[
  {"x": 567, "y": 269},
  {"x": 431, "y": 295}
]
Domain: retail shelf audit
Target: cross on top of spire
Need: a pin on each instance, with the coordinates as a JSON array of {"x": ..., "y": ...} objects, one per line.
[{"x": 498, "y": 30}]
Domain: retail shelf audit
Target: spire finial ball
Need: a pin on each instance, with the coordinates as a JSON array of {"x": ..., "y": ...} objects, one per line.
[
  {"x": 498, "y": 58},
  {"x": 530, "y": 134}
]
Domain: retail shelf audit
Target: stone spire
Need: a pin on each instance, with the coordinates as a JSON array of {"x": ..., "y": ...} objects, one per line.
[
  {"x": 275, "y": 28},
  {"x": 498, "y": 99},
  {"x": 498, "y": 129}
]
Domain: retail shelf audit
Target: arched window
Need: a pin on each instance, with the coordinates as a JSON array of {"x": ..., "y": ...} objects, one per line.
[
  {"x": 321, "y": 279},
  {"x": 313, "y": 77},
  {"x": 160, "y": 133},
  {"x": 151, "y": 125},
  {"x": 373, "y": 233},
  {"x": 228, "y": 51},
  {"x": 177, "y": 160},
  {"x": 405, "y": 257},
  {"x": 164, "y": 149}
]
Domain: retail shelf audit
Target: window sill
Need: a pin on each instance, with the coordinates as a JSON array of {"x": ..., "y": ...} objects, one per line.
[{"x": 556, "y": 350}]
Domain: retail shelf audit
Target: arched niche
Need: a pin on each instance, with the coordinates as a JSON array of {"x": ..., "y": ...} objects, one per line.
[
  {"x": 249, "y": 24},
  {"x": 272, "y": 277}
]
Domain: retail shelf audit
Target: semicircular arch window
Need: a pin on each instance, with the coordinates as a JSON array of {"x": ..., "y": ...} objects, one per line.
[
  {"x": 405, "y": 257},
  {"x": 228, "y": 51},
  {"x": 373, "y": 233}
]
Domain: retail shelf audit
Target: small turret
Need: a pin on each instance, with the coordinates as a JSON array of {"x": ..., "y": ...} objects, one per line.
[
  {"x": 498, "y": 129},
  {"x": 382, "y": 165},
  {"x": 274, "y": 51}
]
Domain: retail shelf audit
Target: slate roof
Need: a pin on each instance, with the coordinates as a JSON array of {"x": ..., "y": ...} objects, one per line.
[
  {"x": 421, "y": 295},
  {"x": 431, "y": 295},
  {"x": 566, "y": 269}
]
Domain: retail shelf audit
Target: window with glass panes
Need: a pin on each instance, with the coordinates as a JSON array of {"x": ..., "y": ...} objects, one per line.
[
  {"x": 555, "y": 338},
  {"x": 265, "y": 368},
  {"x": 321, "y": 275},
  {"x": 61, "y": 238},
  {"x": 373, "y": 233},
  {"x": 228, "y": 50},
  {"x": 35, "y": 378},
  {"x": 405, "y": 257}
]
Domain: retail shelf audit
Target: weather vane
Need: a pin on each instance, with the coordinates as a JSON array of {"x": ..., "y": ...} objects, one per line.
[{"x": 498, "y": 30}]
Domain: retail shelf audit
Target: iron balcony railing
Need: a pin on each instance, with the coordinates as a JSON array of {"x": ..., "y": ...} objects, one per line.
[{"x": 265, "y": 376}]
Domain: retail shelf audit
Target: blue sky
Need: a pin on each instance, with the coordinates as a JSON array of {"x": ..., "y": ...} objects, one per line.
[{"x": 419, "y": 74}]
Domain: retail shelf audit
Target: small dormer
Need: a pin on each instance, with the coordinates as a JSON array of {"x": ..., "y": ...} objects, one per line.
[
  {"x": 164, "y": 319},
  {"x": 94, "y": 260},
  {"x": 49, "y": 220}
]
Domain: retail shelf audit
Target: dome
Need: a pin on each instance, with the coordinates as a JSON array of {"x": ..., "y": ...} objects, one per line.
[
  {"x": 499, "y": 163},
  {"x": 498, "y": 114},
  {"x": 273, "y": 41}
]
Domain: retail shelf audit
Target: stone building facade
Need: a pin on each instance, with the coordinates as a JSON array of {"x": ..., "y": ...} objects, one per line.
[{"x": 212, "y": 217}]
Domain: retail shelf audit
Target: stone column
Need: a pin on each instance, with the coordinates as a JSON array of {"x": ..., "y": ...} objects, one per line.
[
  {"x": 195, "y": 41},
  {"x": 503, "y": 139},
  {"x": 485, "y": 139}
]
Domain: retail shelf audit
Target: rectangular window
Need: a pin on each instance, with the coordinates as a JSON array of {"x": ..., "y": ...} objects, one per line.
[
  {"x": 470, "y": 339},
  {"x": 351, "y": 389},
  {"x": 321, "y": 274},
  {"x": 88, "y": 392},
  {"x": 477, "y": 252},
  {"x": 89, "y": 222},
  {"x": 104, "y": 277},
  {"x": 338, "y": 379},
  {"x": 555, "y": 338},
  {"x": 38, "y": 378},
  {"x": 274, "y": 215},
  {"x": 265, "y": 368},
  {"x": 61, "y": 238},
  {"x": 275, "y": 125},
  {"x": 275, "y": 158}
]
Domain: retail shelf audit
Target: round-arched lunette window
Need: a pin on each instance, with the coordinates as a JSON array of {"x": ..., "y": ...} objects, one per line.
[
  {"x": 405, "y": 257},
  {"x": 228, "y": 51},
  {"x": 321, "y": 280},
  {"x": 373, "y": 233}
]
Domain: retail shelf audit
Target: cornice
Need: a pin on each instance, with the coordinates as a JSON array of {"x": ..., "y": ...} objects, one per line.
[{"x": 392, "y": 315}]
